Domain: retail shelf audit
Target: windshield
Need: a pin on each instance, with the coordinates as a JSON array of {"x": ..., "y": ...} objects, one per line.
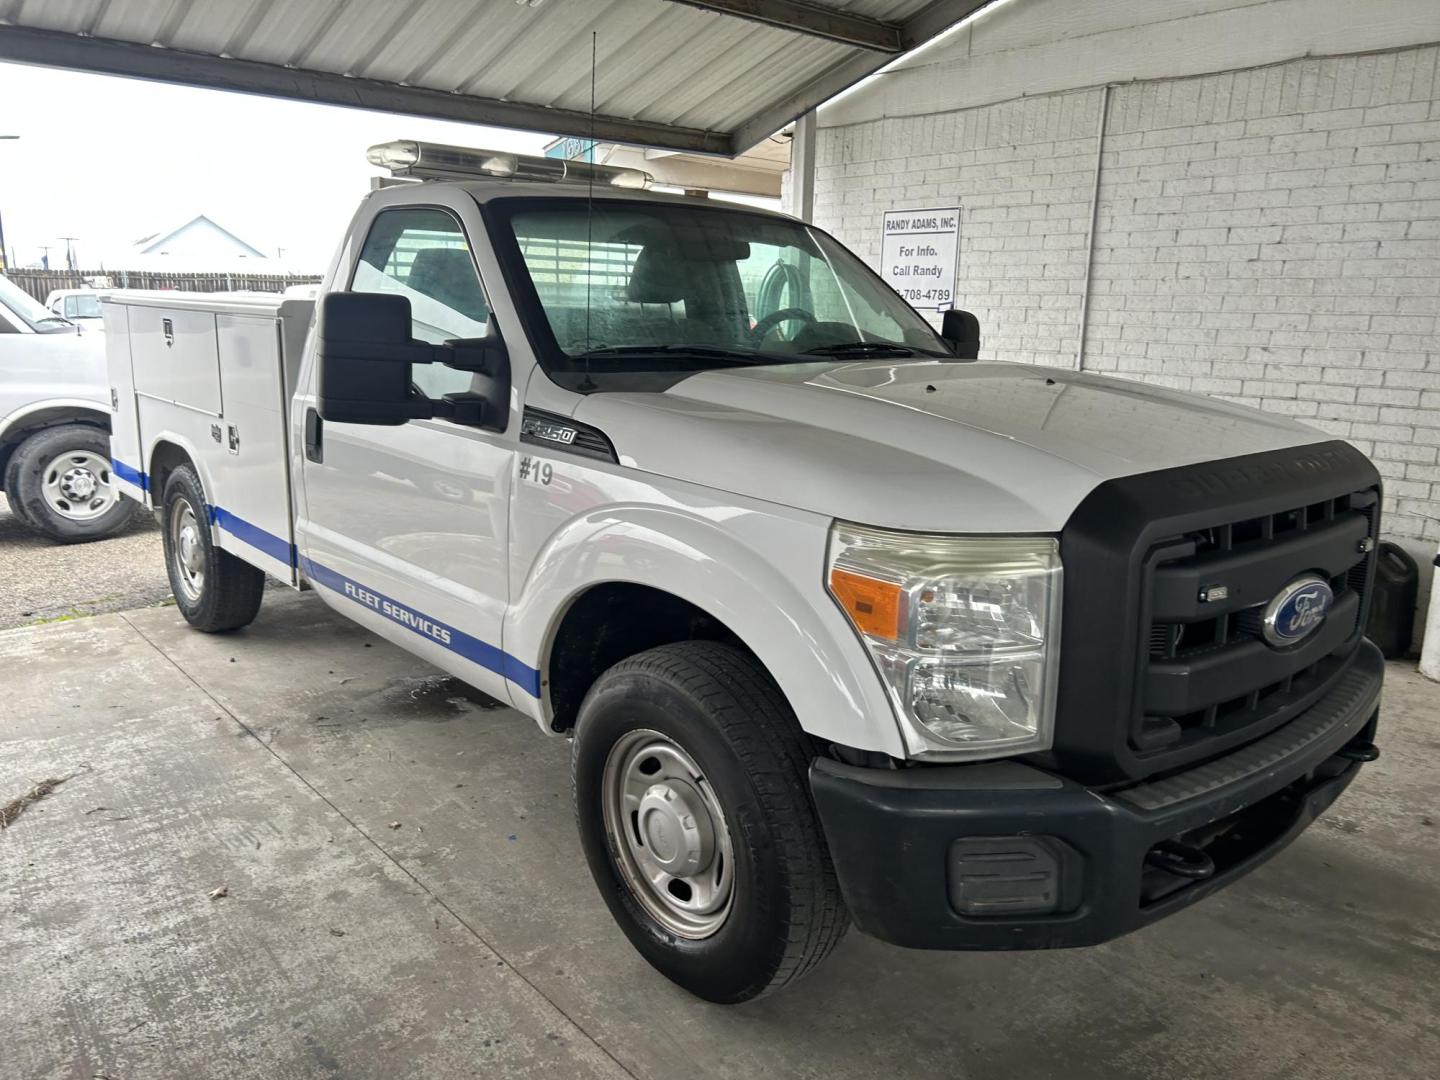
[
  {"x": 35, "y": 314},
  {"x": 648, "y": 286},
  {"x": 83, "y": 306}
]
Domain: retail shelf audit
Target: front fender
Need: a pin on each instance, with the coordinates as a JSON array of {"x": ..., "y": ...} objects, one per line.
[{"x": 760, "y": 574}]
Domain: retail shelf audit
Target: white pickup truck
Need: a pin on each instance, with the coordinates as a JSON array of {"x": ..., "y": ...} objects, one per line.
[
  {"x": 844, "y": 625},
  {"x": 54, "y": 420}
]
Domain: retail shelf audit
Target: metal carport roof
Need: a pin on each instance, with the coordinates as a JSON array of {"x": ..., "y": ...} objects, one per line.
[{"x": 713, "y": 76}]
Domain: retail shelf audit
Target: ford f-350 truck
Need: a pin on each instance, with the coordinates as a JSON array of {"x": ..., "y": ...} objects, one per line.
[{"x": 844, "y": 624}]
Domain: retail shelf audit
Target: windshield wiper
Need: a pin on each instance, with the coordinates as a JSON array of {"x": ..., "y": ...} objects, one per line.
[
  {"x": 865, "y": 348},
  {"x": 707, "y": 352}
]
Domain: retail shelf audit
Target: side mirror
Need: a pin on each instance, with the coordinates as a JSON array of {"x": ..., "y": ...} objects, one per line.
[
  {"x": 487, "y": 357},
  {"x": 366, "y": 353},
  {"x": 961, "y": 330}
]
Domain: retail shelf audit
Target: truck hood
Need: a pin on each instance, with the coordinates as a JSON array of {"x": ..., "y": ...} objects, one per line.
[{"x": 931, "y": 446}]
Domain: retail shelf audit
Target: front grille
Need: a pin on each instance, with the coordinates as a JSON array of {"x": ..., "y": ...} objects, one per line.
[
  {"x": 1249, "y": 686},
  {"x": 1251, "y": 534},
  {"x": 1167, "y": 575}
]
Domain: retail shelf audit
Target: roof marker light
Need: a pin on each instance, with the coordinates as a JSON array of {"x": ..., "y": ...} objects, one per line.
[{"x": 436, "y": 161}]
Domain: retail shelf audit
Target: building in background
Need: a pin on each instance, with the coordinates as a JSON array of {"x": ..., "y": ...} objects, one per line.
[
  {"x": 755, "y": 175},
  {"x": 1236, "y": 198},
  {"x": 198, "y": 256},
  {"x": 197, "y": 245}
]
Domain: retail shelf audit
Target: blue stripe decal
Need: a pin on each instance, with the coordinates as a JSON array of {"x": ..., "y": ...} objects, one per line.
[
  {"x": 457, "y": 641},
  {"x": 511, "y": 668},
  {"x": 130, "y": 474},
  {"x": 261, "y": 540}
]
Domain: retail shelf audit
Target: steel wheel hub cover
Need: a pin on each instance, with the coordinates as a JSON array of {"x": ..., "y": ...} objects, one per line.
[
  {"x": 189, "y": 545},
  {"x": 189, "y": 552},
  {"x": 676, "y": 828},
  {"x": 668, "y": 832},
  {"x": 78, "y": 483}
]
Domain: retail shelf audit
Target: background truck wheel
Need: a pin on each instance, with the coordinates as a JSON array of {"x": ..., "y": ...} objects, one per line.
[
  {"x": 59, "y": 483},
  {"x": 12, "y": 492},
  {"x": 214, "y": 590},
  {"x": 689, "y": 776}
]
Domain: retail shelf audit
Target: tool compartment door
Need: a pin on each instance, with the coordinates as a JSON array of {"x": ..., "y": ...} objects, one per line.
[
  {"x": 173, "y": 356},
  {"x": 127, "y": 463},
  {"x": 252, "y": 510}
]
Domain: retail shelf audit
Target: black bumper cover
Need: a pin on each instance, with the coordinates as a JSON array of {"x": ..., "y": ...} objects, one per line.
[{"x": 900, "y": 838}]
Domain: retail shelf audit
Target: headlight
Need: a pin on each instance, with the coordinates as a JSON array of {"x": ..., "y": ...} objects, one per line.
[{"x": 965, "y": 632}]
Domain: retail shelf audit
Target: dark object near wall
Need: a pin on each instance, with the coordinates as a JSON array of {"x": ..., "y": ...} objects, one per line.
[{"x": 1392, "y": 607}]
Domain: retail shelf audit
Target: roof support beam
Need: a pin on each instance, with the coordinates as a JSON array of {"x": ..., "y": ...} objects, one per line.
[
  {"x": 802, "y": 168},
  {"x": 47, "y": 48},
  {"x": 928, "y": 22},
  {"x": 801, "y": 17}
]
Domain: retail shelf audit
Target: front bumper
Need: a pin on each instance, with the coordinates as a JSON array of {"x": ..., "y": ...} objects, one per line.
[{"x": 1007, "y": 856}]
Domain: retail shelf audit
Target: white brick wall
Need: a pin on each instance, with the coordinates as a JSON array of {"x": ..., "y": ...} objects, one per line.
[
  {"x": 1271, "y": 236},
  {"x": 1022, "y": 171}
]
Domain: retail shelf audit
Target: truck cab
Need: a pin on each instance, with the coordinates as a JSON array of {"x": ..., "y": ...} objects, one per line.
[{"x": 844, "y": 624}]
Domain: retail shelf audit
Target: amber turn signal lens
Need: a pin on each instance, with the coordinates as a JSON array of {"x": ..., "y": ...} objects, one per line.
[{"x": 873, "y": 606}]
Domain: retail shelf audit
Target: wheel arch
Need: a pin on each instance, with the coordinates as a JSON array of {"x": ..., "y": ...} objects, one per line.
[
  {"x": 21, "y": 425},
  {"x": 167, "y": 454},
  {"x": 608, "y": 622},
  {"x": 685, "y": 567}
]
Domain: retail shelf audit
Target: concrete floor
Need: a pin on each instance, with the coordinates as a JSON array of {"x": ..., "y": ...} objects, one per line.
[
  {"x": 42, "y": 581},
  {"x": 469, "y": 941}
]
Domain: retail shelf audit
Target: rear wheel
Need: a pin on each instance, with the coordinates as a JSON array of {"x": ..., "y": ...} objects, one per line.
[
  {"x": 59, "y": 483},
  {"x": 213, "y": 589},
  {"x": 690, "y": 784}
]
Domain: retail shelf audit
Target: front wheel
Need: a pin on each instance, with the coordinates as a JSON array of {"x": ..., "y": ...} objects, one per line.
[
  {"x": 213, "y": 589},
  {"x": 690, "y": 780},
  {"x": 60, "y": 484}
]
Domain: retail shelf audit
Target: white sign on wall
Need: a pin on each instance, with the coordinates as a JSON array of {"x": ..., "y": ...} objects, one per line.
[{"x": 918, "y": 254}]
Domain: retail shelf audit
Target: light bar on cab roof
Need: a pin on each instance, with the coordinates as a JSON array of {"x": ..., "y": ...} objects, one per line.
[{"x": 436, "y": 161}]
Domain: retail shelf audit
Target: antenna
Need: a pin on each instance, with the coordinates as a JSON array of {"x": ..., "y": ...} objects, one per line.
[{"x": 587, "y": 384}]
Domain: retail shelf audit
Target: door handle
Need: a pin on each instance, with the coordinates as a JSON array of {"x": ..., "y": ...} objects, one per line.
[{"x": 314, "y": 433}]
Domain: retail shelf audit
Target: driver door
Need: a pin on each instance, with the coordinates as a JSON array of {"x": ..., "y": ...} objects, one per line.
[{"x": 408, "y": 524}]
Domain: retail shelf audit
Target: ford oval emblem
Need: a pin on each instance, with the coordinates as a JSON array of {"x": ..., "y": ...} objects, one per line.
[{"x": 1297, "y": 610}]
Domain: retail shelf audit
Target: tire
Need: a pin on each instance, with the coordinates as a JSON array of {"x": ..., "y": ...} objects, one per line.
[
  {"x": 59, "y": 483},
  {"x": 12, "y": 493},
  {"x": 214, "y": 590},
  {"x": 745, "y": 784}
]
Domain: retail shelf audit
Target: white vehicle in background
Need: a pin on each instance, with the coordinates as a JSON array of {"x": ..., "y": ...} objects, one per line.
[
  {"x": 845, "y": 625},
  {"x": 79, "y": 306},
  {"x": 55, "y": 423}
]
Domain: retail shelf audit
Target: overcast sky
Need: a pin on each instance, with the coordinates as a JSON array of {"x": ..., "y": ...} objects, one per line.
[{"x": 110, "y": 160}]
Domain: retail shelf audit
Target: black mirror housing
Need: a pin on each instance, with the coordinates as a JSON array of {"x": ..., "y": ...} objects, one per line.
[
  {"x": 961, "y": 331},
  {"x": 487, "y": 357},
  {"x": 365, "y": 354}
]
